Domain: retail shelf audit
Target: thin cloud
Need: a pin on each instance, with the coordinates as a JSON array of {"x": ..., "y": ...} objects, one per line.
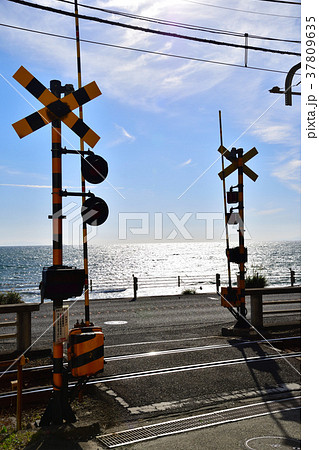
[
  {"x": 39, "y": 186},
  {"x": 268, "y": 212},
  {"x": 125, "y": 133},
  {"x": 186, "y": 163},
  {"x": 123, "y": 136},
  {"x": 289, "y": 174},
  {"x": 36, "y": 186},
  {"x": 272, "y": 133},
  {"x": 144, "y": 79},
  {"x": 10, "y": 171}
]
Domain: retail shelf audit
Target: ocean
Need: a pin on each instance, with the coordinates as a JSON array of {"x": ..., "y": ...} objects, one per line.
[{"x": 161, "y": 268}]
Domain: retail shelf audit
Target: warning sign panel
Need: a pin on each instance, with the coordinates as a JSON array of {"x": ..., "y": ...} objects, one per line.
[{"x": 61, "y": 324}]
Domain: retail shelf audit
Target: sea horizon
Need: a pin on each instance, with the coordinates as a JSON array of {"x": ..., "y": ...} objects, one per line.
[{"x": 161, "y": 267}]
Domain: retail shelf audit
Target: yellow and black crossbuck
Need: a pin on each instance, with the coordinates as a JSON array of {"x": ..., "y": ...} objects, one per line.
[
  {"x": 56, "y": 108},
  {"x": 234, "y": 163}
]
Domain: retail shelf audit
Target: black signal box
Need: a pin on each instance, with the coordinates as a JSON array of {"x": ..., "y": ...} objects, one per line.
[
  {"x": 232, "y": 197},
  {"x": 62, "y": 282},
  {"x": 236, "y": 257}
]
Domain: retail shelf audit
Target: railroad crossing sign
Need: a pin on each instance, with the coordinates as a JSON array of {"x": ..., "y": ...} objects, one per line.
[
  {"x": 56, "y": 108},
  {"x": 234, "y": 163}
]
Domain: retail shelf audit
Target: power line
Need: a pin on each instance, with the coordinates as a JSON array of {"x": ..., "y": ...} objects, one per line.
[
  {"x": 281, "y": 1},
  {"x": 149, "y": 30},
  {"x": 178, "y": 24},
  {"x": 241, "y": 10},
  {"x": 189, "y": 58}
]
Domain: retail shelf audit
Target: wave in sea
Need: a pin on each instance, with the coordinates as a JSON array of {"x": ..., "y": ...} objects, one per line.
[{"x": 161, "y": 268}]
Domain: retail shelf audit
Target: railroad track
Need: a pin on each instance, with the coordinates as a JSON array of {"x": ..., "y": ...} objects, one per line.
[
  {"x": 38, "y": 393},
  {"x": 275, "y": 341},
  {"x": 167, "y": 370}
]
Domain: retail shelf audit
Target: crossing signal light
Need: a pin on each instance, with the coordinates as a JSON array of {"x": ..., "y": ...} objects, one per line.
[
  {"x": 232, "y": 196},
  {"x": 235, "y": 256},
  {"x": 94, "y": 211},
  {"x": 94, "y": 169}
]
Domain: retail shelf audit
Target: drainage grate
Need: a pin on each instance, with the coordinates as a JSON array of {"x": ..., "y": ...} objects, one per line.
[{"x": 148, "y": 432}]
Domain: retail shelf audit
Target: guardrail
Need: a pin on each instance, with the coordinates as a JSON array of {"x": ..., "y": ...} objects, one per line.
[
  {"x": 125, "y": 283},
  {"x": 22, "y": 323},
  {"x": 257, "y": 303}
]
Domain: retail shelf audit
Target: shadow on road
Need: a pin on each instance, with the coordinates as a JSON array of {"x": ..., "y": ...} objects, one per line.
[{"x": 272, "y": 368}]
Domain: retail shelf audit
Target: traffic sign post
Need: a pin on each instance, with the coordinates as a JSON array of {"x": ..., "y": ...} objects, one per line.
[
  {"x": 231, "y": 297},
  {"x": 60, "y": 282}
]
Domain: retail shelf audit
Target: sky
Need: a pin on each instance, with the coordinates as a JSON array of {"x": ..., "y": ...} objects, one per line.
[{"x": 157, "y": 118}]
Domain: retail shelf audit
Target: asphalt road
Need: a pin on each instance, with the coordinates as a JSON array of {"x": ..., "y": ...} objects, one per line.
[
  {"x": 147, "y": 317},
  {"x": 166, "y": 357}
]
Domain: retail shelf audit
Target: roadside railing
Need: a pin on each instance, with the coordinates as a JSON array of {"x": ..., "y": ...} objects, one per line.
[
  {"x": 257, "y": 303},
  {"x": 22, "y": 323},
  {"x": 180, "y": 281},
  {"x": 126, "y": 284},
  {"x": 18, "y": 383}
]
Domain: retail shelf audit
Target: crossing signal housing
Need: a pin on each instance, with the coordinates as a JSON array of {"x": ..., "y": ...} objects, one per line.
[
  {"x": 94, "y": 211},
  {"x": 62, "y": 282},
  {"x": 94, "y": 169},
  {"x": 235, "y": 256},
  {"x": 232, "y": 196}
]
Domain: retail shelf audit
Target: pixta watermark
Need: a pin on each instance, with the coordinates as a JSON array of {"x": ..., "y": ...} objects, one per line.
[
  {"x": 170, "y": 226},
  {"x": 73, "y": 225}
]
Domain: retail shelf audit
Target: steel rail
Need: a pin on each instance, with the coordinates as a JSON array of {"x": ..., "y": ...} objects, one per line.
[
  {"x": 192, "y": 349},
  {"x": 157, "y": 372},
  {"x": 209, "y": 365},
  {"x": 163, "y": 352}
]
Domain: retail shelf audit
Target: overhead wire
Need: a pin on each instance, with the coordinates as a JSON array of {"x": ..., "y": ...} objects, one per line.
[
  {"x": 149, "y": 30},
  {"x": 281, "y": 1},
  {"x": 179, "y": 24},
  {"x": 241, "y": 10},
  {"x": 189, "y": 58}
]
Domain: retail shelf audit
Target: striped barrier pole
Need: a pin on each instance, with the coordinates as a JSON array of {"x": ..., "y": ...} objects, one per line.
[
  {"x": 84, "y": 226},
  {"x": 241, "y": 280},
  {"x": 58, "y": 408},
  {"x": 55, "y": 87}
]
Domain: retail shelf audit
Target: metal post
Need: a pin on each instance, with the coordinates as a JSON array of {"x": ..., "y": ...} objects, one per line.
[
  {"x": 246, "y": 49},
  {"x": 135, "y": 288},
  {"x": 21, "y": 362},
  {"x": 58, "y": 408},
  {"x": 256, "y": 304},
  {"x": 288, "y": 82},
  {"x": 241, "y": 279},
  {"x": 84, "y": 226},
  {"x": 292, "y": 277},
  {"x": 225, "y": 204},
  {"x": 217, "y": 282},
  {"x": 23, "y": 330},
  {"x": 55, "y": 87}
]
